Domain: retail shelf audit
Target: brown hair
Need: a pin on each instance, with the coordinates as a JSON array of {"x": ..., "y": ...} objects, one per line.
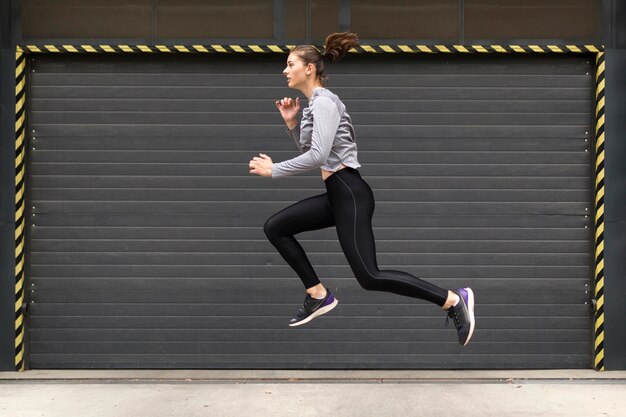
[{"x": 335, "y": 47}]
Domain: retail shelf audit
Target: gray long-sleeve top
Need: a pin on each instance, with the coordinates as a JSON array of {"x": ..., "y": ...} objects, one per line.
[{"x": 325, "y": 135}]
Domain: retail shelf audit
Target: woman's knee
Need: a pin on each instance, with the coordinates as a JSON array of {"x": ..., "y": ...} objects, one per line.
[
  {"x": 272, "y": 228},
  {"x": 268, "y": 228},
  {"x": 367, "y": 280}
]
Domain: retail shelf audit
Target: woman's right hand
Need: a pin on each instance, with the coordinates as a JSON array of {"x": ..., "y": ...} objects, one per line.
[{"x": 289, "y": 109}]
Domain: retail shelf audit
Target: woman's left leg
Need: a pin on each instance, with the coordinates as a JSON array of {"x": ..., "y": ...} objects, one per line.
[{"x": 352, "y": 201}]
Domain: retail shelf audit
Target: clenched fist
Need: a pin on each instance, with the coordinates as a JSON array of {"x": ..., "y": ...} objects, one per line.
[{"x": 261, "y": 165}]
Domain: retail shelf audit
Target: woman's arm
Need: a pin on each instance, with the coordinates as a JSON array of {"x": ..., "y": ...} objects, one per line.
[
  {"x": 326, "y": 120},
  {"x": 294, "y": 133}
]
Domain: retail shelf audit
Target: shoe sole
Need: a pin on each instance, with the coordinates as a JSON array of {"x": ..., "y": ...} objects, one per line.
[
  {"x": 317, "y": 313},
  {"x": 470, "y": 308}
]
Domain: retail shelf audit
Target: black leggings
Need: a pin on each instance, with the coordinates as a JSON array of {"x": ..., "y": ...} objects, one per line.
[{"x": 348, "y": 204}]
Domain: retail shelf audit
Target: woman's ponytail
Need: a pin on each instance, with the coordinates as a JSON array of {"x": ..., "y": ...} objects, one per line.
[{"x": 338, "y": 44}]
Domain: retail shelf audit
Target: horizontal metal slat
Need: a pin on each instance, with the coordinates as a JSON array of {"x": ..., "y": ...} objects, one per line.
[
  {"x": 281, "y": 321},
  {"x": 409, "y": 308},
  {"x": 308, "y": 347},
  {"x": 312, "y": 361},
  {"x": 260, "y": 244},
  {"x": 354, "y": 106},
  {"x": 381, "y": 157},
  {"x": 254, "y": 132},
  {"x": 266, "y": 208},
  {"x": 443, "y": 271},
  {"x": 341, "y": 77},
  {"x": 254, "y": 232},
  {"x": 404, "y": 177},
  {"x": 271, "y": 118},
  {"x": 216, "y": 194},
  {"x": 282, "y": 142},
  {"x": 321, "y": 334},
  {"x": 232, "y": 220}
]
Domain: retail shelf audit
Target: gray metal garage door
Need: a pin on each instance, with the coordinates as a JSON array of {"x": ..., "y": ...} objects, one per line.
[{"x": 146, "y": 245}]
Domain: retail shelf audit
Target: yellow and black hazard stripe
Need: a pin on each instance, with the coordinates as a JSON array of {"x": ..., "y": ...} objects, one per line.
[
  {"x": 287, "y": 48},
  {"x": 20, "y": 209},
  {"x": 599, "y": 218}
]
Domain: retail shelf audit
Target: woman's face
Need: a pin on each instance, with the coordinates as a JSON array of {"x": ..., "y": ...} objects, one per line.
[{"x": 296, "y": 72}]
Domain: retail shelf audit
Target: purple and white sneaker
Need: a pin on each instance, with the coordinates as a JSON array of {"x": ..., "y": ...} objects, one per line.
[
  {"x": 463, "y": 315},
  {"x": 313, "y": 307}
]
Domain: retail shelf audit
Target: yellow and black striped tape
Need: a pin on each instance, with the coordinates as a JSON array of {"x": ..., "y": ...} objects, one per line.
[
  {"x": 599, "y": 218},
  {"x": 20, "y": 209},
  {"x": 287, "y": 48}
]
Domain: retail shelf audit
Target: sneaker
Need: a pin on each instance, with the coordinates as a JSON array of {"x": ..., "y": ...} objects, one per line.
[
  {"x": 313, "y": 307},
  {"x": 463, "y": 315}
]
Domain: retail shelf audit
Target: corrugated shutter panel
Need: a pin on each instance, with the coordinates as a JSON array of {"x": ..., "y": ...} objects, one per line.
[{"x": 147, "y": 246}]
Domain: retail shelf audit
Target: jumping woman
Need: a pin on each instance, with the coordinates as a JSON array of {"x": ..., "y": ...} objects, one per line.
[{"x": 326, "y": 139}]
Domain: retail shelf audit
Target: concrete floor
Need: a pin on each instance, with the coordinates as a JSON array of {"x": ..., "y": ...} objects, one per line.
[{"x": 312, "y": 393}]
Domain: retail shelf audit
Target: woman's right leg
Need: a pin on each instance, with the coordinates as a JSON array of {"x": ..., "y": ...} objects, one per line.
[{"x": 312, "y": 213}]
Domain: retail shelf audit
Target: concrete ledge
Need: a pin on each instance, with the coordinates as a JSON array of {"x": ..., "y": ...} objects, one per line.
[{"x": 375, "y": 376}]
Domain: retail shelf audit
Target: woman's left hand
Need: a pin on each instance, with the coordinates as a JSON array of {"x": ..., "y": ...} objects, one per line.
[{"x": 261, "y": 165}]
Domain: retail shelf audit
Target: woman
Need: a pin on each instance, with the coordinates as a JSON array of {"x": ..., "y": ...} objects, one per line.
[{"x": 326, "y": 138}]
